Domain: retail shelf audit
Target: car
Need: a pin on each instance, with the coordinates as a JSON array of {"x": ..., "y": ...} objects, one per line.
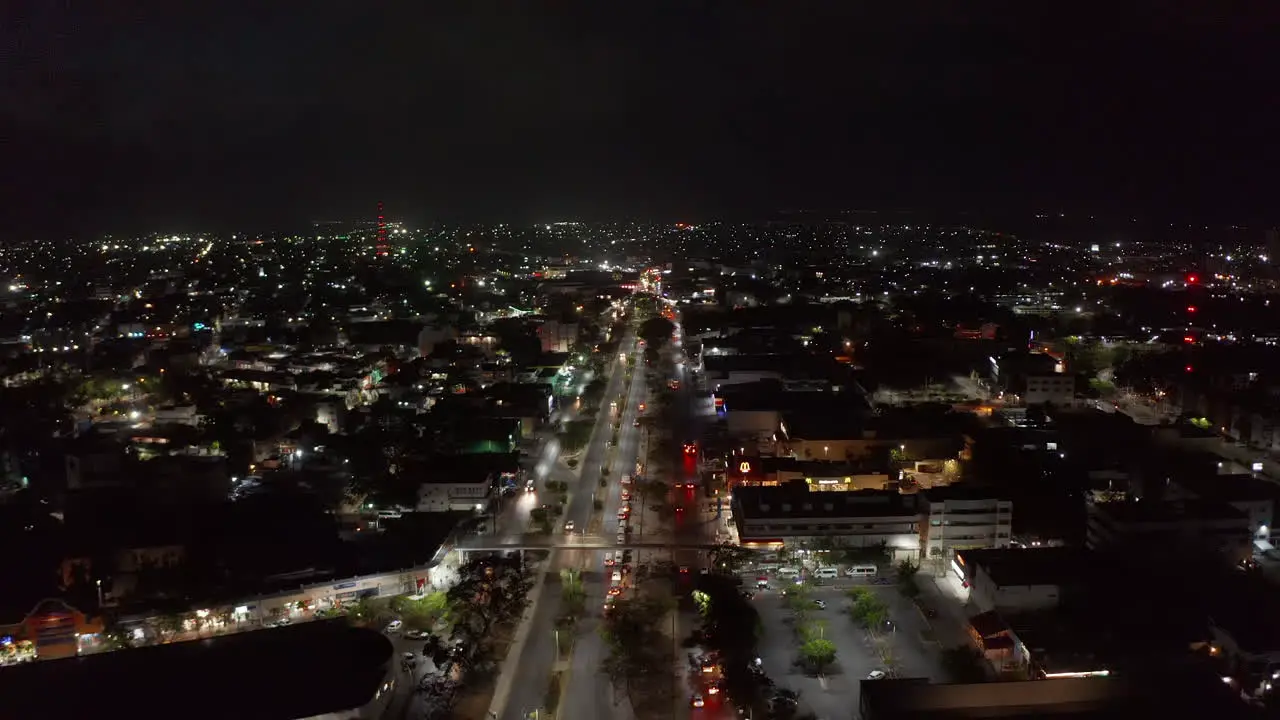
[
  {"x": 697, "y": 700},
  {"x": 415, "y": 634},
  {"x": 622, "y": 538},
  {"x": 622, "y": 514},
  {"x": 626, "y": 495},
  {"x": 636, "y": 424},
  {"x": 394, "y": 626},
  {"x": 568, "y": 526},
  {"x": 410, "y": 658},
  {"x": 615, "y": 591},
  {"x": 877, "y": 675},
  {"x": 617, "y": 577},
  {"x": 821, "y": 604},
  {"x": 762, "y": 582},
  {"x": 684, "y": 569}
]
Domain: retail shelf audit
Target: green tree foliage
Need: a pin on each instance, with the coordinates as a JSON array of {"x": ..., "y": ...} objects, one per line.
[
  {"x": 818, "y": 653},
  {"x": 640, "y": 656},
  {"x": 731, "y": 559},
  {"x": 656, "y": 331},
  {"x": 572, "y": 594},
  {"x": 731, "y": 626},
  {"x": 867, "y": 609}
]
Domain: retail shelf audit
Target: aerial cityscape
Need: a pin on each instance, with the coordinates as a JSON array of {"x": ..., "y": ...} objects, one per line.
[{"x": 714, "y": 364}]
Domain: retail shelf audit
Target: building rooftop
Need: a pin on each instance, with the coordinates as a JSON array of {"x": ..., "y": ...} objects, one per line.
[
  {"x": 1164, "y": 696},
  {"x": 795, "y": 501},
  {"x": 1008, "y": 567},
  {"x": 1139, "y": 511},
  {"x": 960, "y": 491},
  {"x": 298, "y": 671},
  {"x": 1242, "y": 487}
]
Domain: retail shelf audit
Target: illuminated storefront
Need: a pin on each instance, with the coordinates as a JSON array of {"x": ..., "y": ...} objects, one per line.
[{"x": 52, "y": 630}]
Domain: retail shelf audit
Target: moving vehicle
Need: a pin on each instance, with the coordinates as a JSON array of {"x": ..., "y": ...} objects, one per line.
[
  {"x": 626, "y": 479},
  {"x": 622, "y": 538},
  {"x": 821, "y": 604},
  {"x": 762, "y": 582},
  {"x": 697, "y": 700},
  {"x": 608, "y": 558},
  {"x": 788, "y": 572},
  {"x": 568, "y": 526},
  {"x": 617, "y": 577},
  {"x": 394, "y": 626},
  {"x": 861, "y": 571},
  {"x": 827, "y": 572}
]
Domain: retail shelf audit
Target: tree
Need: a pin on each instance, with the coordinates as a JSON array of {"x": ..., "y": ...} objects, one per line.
[
  {"x": 638, "y": 651},
  {"x": 656, "y": 331},
  {"x": 818, "y": 653},
  {"x": 572, "y": 593},
  {"x": 867, "y": 610},
  {"x": 730, "y": 559}
]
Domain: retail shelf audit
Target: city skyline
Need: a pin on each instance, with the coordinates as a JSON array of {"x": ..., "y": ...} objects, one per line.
[{"x": 187, "y": 119}]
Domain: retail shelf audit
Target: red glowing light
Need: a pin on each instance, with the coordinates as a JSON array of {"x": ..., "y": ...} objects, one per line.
[
  {"x": 1188, "y": 339},
  {"x": 1191, "y": 308},
  {"x": 1192, "y": 279},
  {"x": 1189, "y": 368}
]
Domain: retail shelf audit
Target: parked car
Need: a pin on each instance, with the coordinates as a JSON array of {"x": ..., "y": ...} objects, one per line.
[{"x": 394, "y": 626}]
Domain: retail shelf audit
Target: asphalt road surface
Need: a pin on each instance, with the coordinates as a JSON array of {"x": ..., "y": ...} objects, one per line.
[
  {"x": 538, "y": 656},
  {"x": 588, "y": 692},
  {"x": 856, "y": 654}
]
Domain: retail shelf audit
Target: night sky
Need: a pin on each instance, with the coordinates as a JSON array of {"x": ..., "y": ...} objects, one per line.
[{"x": 119, "y": 118}]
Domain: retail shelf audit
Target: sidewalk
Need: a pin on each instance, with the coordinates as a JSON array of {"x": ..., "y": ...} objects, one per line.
[{"x": 951, "y": 626}]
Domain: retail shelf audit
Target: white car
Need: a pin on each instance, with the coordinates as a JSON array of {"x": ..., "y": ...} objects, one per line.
[
  {"x": 568, "y": 527},
  {"x": 394, "y": 626},
  {"x": 622, "y": 538},
  {"x": 697, "y": 700},
  {"x": 877, "y": 675}
]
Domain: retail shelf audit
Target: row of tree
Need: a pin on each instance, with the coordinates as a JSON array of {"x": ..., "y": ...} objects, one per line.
[{"x": 640, "y": 656}]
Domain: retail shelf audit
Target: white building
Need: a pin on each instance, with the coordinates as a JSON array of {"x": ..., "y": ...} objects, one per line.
[
  {"x": 557, "y": 336},
  {"x": 1018, "y": 580},
  {"x": 1055, "y": 389},
  {"x": 956, "y": 517},
  {"x": 454, "y": 495}
]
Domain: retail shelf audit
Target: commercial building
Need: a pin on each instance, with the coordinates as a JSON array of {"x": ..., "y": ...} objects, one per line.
[
  {"x": 794, "y": 517},
  {"x": 957, "y": 517},
  {"x": 1147, "y": 525}
]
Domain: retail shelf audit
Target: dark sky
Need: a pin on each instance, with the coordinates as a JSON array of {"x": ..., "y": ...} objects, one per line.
[{"x": 136, "y": 115}]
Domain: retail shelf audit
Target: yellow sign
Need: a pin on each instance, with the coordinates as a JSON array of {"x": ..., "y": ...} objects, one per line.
[{"x": 745, "y": 467}]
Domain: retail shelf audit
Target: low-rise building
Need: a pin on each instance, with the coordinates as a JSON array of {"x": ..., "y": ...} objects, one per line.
[
  {"x": 1016, "y": 580},
  {"x": 1161, "y": 526},
  {"x": 792, "y": 516},
  {"x": 958, "y": 517}
]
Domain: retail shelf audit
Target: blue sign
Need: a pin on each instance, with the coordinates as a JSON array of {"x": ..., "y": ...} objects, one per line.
[{"x": 344, "y": 586}]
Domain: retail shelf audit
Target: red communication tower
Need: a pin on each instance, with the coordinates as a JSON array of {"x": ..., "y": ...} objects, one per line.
[{"x": 382, "y": 249}]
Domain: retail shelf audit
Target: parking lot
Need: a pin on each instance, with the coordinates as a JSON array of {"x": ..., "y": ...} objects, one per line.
[{"x": 908, "y": 648}]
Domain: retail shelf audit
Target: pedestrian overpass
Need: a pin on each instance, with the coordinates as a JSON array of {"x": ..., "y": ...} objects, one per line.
[{"x": 585, "y": 542}]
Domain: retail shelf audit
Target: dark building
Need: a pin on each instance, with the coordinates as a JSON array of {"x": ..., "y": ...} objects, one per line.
[{"x": 293, "y": 672}]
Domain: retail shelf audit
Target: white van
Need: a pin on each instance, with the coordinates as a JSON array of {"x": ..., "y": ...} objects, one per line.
[
  {"x": 827, "y": 572},
  {"x": 861, "y": 571},
  {"x": 787, "y": 572}
]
